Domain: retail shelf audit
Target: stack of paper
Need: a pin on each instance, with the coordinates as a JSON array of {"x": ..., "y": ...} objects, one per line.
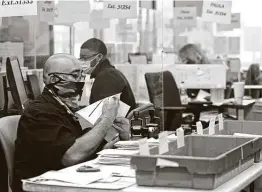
[
  {"x": 72, "y": 178},
  {"x": 116, "y": 156},
  {"x": 134, "y": 145}
]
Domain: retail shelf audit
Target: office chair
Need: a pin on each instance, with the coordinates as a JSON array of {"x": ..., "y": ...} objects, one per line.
[
  {"x": 164, "y": 94},
  {"x": 8, "y": 132},
  {"x": 16, "y": 84}
]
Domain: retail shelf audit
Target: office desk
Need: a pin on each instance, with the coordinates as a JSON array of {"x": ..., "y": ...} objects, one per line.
[
  {"x": 241, "y": 109},
  {"x": 236, "y": 184}
]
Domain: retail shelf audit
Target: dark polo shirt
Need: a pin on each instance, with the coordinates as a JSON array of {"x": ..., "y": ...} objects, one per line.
[{"x": 45, "y": 132}]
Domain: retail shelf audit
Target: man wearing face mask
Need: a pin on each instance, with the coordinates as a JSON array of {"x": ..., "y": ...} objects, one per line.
[
  {"x": 49, "y": 136},
  {"x": 108, "y": 80}
]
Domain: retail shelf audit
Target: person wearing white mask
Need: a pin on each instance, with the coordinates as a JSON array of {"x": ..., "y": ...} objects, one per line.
[{"x": 108, "y": 80}]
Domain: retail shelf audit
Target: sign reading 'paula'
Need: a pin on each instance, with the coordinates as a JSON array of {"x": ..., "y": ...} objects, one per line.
[
  {"x": 217, "y": 11},
  {"x": 9, "y": 8}
]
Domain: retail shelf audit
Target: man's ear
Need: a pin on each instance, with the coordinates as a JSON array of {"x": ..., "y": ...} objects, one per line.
[{"x": 53, "y": 79}]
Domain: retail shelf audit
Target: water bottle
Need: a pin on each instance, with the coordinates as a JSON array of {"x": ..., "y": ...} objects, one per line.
[{"x": 183, "y": 94}]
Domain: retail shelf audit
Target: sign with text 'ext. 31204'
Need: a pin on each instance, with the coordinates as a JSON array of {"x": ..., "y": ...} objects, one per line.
[
  {"x": 217, "y": 11},
  {"x": 9, "y": 8},
  {"x": 120, "y": 9}
]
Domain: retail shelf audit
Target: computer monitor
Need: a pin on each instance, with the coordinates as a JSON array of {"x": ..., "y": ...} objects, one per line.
[
  {"x": 16, "y": 82},
  {"x": 137, "y": 58}
]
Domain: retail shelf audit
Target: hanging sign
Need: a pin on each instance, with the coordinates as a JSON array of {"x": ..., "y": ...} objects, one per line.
[
  {"x": 185, "y": 16},
  {"x": 18, "y": 8},
  {"x": 120, "y": 9},
  {"x": 217, "y": 11}
]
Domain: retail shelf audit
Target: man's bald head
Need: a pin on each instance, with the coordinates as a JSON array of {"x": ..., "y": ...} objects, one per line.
[{"x": 60, "y": 63}]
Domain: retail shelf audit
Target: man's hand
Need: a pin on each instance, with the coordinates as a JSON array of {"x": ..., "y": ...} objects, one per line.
[
  {"x": 122, "y": 125},
  {"x": 110, "y": 145},
  {"x": 110, "y": 108}
]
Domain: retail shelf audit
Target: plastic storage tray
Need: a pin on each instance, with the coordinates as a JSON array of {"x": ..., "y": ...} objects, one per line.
[
  {"x": 246, "y": 127},
  {"x": 205, "y": 162}
]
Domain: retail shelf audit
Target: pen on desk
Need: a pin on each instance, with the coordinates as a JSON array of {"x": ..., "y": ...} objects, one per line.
[{"x": 95, "y": 108}]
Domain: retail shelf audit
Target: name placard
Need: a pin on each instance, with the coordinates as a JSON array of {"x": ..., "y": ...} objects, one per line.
[
  {"x": 120, "y": 9},
  {"x": 235, "y": 23},
  {"x": 217, "y": 11},
  {"x": 185, "y": 16},
  {"x": 46, "y": 11},
  {"x": 9, "y": 8},
  {"x": 196, "y": 3}
]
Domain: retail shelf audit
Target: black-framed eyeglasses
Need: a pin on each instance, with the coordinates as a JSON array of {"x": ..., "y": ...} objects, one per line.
[
  {"x": 87, "y": 58},
  {"x": 77, "y": 75}
]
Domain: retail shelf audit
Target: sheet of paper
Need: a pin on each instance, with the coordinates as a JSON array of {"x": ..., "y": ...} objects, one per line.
[
  {"x": 234, "y": 45},
  {"x": 117, "y": 152},
  {"x": 202, "y": 95},
  {"x": 163, "y": 142},
  {"x": 46, "y": 11},
  {"x": 180, "y": 137},
  {"x": 221, "y": 122},
  {"x": 185, "y": 16},
  {"x": 74, "y": 178},
  {"x": 211, "y": 127},
  {"x": 92, "y": 112},
  {"x": 217, "y": 11},
  {"x": 236, "y": 20},
  {"x": 111, "y": 135},
  {"x": 196, "y": 3},
  {"x": 9, "y": 49},
  {"x": 199, "y": 128},
  {"x": 246, "y": 135},
  {"x": 166, "y": 163},
  {"x": 235, "y": 23},
  {"x": 143, "y": 147},
  {"x": 18, "y": 8},
  {"x": 120, "y": 9},
  {"x": 69, "y": 12}
]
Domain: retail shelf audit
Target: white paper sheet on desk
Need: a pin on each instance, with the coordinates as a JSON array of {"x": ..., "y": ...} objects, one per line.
[
  {"x": 202, "y": 94},
  {"x": 90, "y": 114},
  {"x": 246, "y": 135},
  {"x": 72, "y": 178}
]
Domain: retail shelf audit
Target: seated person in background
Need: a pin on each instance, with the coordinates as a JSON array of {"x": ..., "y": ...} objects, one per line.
[
  {"x": 192, "y": 54},
  {"x": 108, "y": 80},
  {"x": 49, "y": 136},
  {"x": 253, "y": 77}
]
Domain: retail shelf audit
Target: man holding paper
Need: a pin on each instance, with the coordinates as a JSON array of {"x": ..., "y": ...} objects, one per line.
[{"x": 49, "y": 136}]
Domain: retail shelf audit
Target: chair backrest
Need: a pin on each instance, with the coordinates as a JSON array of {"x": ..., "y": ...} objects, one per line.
[
  {"x": 16, "y": 83},
  {"x": 162, "y": 89},
  {"x": 33, "y": 85},
  {"x": 8, "y": 133},
  {"x": 163, "y": 92}
]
